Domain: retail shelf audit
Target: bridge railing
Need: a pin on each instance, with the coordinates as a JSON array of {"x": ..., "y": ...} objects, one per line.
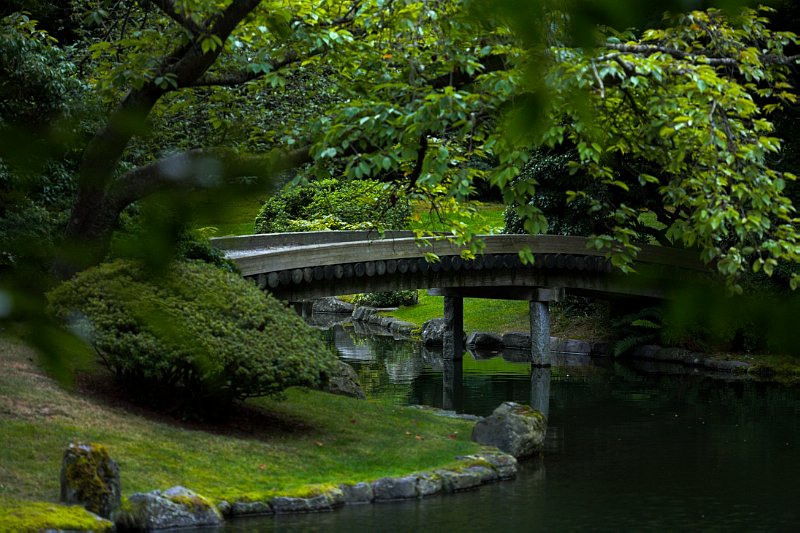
[
  {"x": 259, "y": 254},
  {"x": 250, "y": 244}
]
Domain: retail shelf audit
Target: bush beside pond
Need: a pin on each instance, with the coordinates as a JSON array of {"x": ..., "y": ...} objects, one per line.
[{"x": 192, "y": 339}]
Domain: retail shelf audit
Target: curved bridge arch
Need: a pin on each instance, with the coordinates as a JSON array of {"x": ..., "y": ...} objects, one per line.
[{"x": 299, "y": 266}]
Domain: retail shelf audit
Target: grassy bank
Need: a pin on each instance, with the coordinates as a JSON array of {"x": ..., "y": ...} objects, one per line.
[
  {"x": 503, "y": 316},
  {"x": 312, "y": 439}
]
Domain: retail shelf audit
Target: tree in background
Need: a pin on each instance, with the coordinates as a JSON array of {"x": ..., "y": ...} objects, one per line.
[
  {"x": 194, "y": 96},
  {"x": 674, "y": 124}
]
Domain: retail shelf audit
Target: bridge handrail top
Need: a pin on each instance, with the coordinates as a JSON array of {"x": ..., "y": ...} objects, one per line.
[{"x": 505, "y": 243}]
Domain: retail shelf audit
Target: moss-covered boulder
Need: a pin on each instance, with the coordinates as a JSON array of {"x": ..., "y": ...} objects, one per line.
[
  {"x": 90, "y": 478},
  {"x": 175, "y": 507},
  {"x": 513, "y": 428}
]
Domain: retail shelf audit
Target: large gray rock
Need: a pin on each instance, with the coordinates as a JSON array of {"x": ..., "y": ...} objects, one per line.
[
  {"x": 504, "y": 465},
  {"x": 480, "y": 339},
  {"x": 433, "y": 331},
  {"x": 571, "y": 346},
  {"x": 428, "y": 484},
  {"x": 314, "y": 504},
  {"x": 395, "y": 488},
  {"x": 401, "y": 329},
  {"x": 249, "y": 508},
  {"x": 357, "y": 493},
  {"x": 456, "y": 481},
  {"x": 89, "y": 477},
  {"x": 364, "y": 314},
  {"x": 332, "y": 305},
  {"x": 520, "y": 341},
  {"x": 513, "y": 428},
  {"x": 175, "y": 507},
  {"x": 343, "y": 380}
]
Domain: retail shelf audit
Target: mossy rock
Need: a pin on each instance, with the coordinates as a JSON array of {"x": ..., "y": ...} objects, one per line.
[
  {"x": 20, "y": 515},
  {"x": 89, "y": 477},
  {"x": 175, "y": 507},
  {"x": 513, "y": 428}
]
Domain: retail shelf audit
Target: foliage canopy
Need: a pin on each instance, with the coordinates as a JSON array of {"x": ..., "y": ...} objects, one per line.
[{"x": 674, "y": 122}]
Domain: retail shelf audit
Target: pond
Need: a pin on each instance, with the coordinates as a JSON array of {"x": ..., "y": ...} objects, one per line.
[{"x": 628, "y": 448}]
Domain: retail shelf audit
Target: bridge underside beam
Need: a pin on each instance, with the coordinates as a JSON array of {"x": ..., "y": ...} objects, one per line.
[
  {"x": 513, "y": 281},
  {"x": 539, "y": 294}
]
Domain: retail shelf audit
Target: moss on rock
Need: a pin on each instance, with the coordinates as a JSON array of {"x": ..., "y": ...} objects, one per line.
[
  {"x": 19, "y": 515},
  {"x": 89, "y": 477}
]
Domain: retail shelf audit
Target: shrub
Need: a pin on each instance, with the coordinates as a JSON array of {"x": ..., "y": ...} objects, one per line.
[
  {"x": 387, "y": 299},
  {"x": 333, "y": 204},
  {"x": 193, "y": 338},
  {"x": 550, "y": 172}
]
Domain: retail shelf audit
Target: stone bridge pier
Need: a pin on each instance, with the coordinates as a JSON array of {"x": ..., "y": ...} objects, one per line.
[{"x": 539, "y": 299}]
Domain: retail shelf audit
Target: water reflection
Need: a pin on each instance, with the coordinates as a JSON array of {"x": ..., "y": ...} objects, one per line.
[
  {"x": 405, "y": 372},
  {"x": 627, "y": 450}
]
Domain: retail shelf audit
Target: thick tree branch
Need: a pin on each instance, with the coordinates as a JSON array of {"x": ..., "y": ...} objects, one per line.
[
  {"x": 194, "y": 62},
  {"x": 201, "y": 168},
  {"x": 459, "y": 78},
  {"x": 649, "y": 49},
  {"x": 417, "y": 171},
  {"x": 239, "y": 77},
  {"x": 170, "y": 9}
]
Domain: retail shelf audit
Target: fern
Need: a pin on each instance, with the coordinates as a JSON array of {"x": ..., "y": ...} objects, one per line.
[{"x": 638, "y": 328}]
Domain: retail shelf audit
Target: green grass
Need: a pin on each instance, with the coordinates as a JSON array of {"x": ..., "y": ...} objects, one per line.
[
  {"x": 500, "y": 316},
  {"x": 20, "y": 515},
  {"x": 503, "y": 316},
  {"x": 236, "y": 215},
  {"x": 488, "y": 218},
  {"x": 311, "y": 440},
  {"x": 230, "y": 216}
]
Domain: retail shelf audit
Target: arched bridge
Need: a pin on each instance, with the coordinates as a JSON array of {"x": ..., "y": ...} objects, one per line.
[{"x": 301, "y": 266}]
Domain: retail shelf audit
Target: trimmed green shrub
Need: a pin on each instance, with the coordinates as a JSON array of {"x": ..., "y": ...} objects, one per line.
[
  {"x": 333, "y": 204},
  {"x": 387, "y": 299},
  {"x": 191, "y": 339}
]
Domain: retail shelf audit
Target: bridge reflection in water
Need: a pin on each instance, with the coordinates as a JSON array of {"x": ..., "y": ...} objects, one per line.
[
  {"x": 298, "y": 267},
  {"x": 453, "y": 390}
]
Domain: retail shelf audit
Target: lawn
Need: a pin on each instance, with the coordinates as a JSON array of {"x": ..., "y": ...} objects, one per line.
[
  {"x": 503, "y": 316},
  {"x": 294, "y": 447},
  {"x": 235, "y": 215},
  {"x": 488, "y": 218}
]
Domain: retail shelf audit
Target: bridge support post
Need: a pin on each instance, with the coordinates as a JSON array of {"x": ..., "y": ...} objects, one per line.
[
  {"x": 540, "y": 389},
  {"x": 540, "y": 333},
  {"x": 304, "y": 308},
  {"x": 452, "y": 379},
  {"x": 453, "y": 341},
  {"x": 540, "y": 323}
]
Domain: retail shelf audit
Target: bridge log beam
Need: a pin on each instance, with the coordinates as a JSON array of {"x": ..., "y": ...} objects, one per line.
[{"x": 453, "y": 340}]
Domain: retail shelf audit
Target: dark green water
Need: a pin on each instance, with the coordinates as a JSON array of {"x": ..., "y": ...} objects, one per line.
[{"x": 628, "y": 449}]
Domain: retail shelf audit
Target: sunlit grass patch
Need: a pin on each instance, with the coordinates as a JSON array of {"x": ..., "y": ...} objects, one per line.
[
  {"x": 20, "y": 515},
  {"x": 487, "y": 217}
]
